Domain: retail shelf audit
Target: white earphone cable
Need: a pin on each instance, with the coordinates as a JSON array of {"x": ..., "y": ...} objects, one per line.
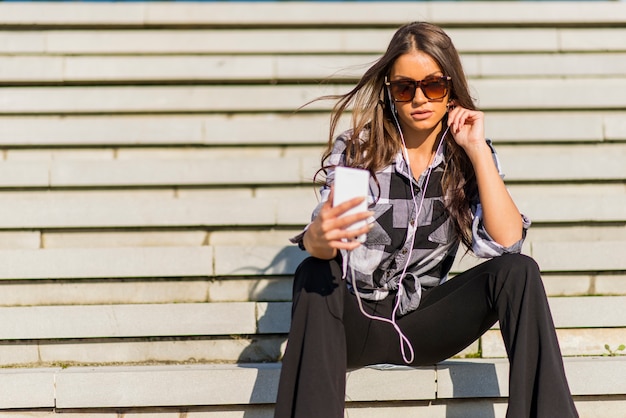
[{"x": 417, "y": 210}]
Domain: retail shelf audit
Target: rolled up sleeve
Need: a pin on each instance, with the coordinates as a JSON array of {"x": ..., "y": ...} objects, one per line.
[{"x": 484, "y": 246}]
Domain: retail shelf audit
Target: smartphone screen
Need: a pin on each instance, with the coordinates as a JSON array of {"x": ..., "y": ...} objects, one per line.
[{"x": 351, "y": 183}]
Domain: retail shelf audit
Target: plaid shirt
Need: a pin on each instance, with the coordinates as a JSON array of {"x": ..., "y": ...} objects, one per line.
[{"x": 375, "y": 268}]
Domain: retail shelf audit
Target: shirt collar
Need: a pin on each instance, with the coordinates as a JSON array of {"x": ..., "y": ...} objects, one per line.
[{"x": 401, "y": 166}]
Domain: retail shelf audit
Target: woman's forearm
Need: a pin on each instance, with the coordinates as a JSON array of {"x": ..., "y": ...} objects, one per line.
[{"x": 501, "y": 217}]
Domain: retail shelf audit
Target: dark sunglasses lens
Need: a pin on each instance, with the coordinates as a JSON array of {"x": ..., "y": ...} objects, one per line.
[
  {"x": 435, "y": 89},
  {"x": 403, "y": 91}
]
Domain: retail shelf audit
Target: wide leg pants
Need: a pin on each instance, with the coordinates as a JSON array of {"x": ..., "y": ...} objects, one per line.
[{"x": 329, "y": 334}]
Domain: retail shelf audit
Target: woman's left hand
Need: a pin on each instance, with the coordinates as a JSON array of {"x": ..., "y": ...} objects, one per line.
[
  {"x": 467, "y": 127},
  {"x": 501, "y": 217}
]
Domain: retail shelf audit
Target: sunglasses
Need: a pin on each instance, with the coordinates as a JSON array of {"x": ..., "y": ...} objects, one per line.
[{"x": 434, "y": 88}]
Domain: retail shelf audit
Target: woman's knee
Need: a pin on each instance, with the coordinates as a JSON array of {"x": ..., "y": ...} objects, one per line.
[
  {"x": 521, "y": 262},
  {"x": 522, "y": 269}
]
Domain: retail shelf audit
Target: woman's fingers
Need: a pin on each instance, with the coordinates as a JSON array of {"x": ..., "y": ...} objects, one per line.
[
  {"x": 346, "y": 221},
  {"x": 335, "y": 232},
  {"x": 339, "y": 233},
  {"x": 460, "y": 116},
  {"x": 331, "y": 227},
  {"x": 348, "y": 239},
  {"x": 345, "y": 245},
  {"x": 335, "y": 217}
]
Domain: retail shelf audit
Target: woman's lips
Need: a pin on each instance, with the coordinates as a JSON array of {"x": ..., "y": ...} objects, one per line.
[{"x": 421, "y": 115}]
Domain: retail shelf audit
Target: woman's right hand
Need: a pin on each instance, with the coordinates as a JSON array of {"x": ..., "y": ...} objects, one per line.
[{"x": 328, "y": 231}]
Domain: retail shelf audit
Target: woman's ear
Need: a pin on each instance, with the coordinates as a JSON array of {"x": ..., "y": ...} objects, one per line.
[{"x": 451, "y": 104}]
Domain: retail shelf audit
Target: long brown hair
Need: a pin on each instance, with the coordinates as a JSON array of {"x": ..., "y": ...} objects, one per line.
[{"x": 372, "y": 119}]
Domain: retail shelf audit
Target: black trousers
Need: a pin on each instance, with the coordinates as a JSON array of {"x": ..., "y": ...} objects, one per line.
[{"x": 329, "y": 334}]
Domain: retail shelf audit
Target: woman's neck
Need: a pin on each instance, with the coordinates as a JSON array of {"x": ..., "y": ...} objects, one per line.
[
  {"x": 421, "y": 147},
  {"x": 423, "y": 142}
]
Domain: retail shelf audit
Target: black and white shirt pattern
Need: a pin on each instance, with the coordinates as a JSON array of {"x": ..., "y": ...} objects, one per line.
[{"x": 375, "y": 268}]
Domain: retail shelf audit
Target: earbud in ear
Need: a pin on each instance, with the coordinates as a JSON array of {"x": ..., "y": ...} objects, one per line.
[{"x": 392, "y": 104}]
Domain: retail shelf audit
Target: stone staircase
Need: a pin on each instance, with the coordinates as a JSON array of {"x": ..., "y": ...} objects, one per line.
[{"x": 153, "y": 167}]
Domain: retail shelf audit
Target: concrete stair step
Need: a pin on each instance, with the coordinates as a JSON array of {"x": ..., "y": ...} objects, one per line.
[
  {"x": 560, "y": 203},
  {"x": 132, "y": 209},
  {"x": 255, "y": 170},
  {"x": 108, "y": 262},
  {"x": 551, "y": 256},
  {"x": 495, "y": 94},
  {"x": 210, "y": 261},
  {"x": 273, "y": 206},
  {"x": 251, "y": 388},
  {"x": 320, "y": 40},
  {"x": 160, "y": 168},
  {"x": 574, "y": 342},
  {"x": 279, "y": 288},
  {"x": 144, "y": 320},
  {"x": 230, "y": 318},
  {"x": 257, "y": 68},
  {"x": 272, "y": 237},
  {"x": 155, "y": 350},
  {"x": 82, "y": 291},
  {"x": 218, "y": 15},
  {"x": 272, "y": 129}
]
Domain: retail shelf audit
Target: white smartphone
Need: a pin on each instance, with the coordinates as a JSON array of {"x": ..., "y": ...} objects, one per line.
[{"x": 350, "y": 183}]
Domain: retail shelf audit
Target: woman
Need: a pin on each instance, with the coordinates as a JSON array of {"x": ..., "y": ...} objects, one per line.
[{"x": 435, "y": 183}]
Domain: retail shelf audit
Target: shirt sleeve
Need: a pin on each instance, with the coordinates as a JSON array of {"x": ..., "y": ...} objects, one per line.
[
  {"x": 336, "y": 158},
  {"x": 482, "y": 244}
]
